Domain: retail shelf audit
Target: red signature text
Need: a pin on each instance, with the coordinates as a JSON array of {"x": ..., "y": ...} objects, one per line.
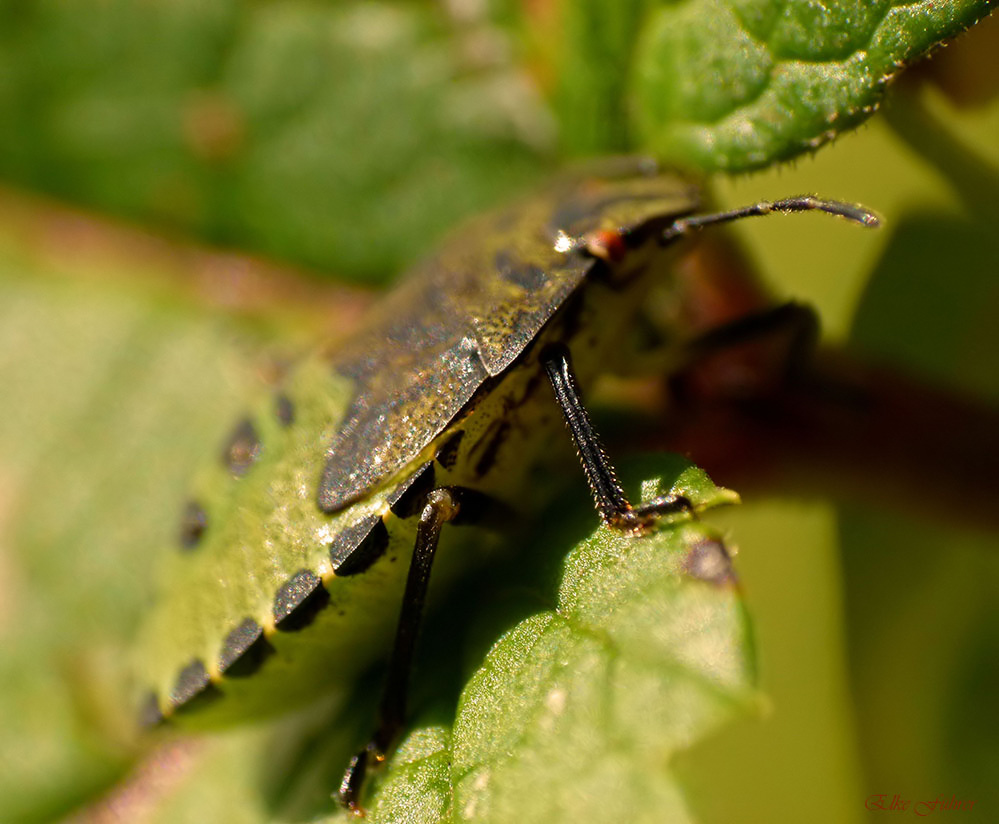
[{"x": 897, "y": 804}]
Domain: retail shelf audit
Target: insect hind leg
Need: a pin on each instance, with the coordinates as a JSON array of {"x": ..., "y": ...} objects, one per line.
[
  {"x": 795, "y": 324},
  {"x": 440, "y": 506}
]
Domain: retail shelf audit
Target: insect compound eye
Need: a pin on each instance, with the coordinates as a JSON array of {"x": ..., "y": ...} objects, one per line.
[
  {"x": 243, "y": 448},
  {"x": 193, "y": 524}
]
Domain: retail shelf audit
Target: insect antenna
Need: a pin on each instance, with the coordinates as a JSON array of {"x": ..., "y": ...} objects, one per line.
[{"x": 800, "y": 203}]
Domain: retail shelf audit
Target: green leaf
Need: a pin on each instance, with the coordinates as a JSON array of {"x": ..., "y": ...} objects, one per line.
[
  {"x": 577, "y": 711},
  {"x": 740, "y": 84}
]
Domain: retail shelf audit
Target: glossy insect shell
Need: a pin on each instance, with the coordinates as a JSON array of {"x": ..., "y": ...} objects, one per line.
[{"x": 295, "y": 544}]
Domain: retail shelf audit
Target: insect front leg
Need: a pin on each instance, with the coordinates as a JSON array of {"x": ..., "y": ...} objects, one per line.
[
  {"x": 441, "y": 506},
  {"x": 611, "y": 502},
  {"x": 795, "y": 323}
]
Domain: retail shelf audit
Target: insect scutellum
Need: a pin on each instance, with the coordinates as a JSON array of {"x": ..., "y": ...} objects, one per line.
[{"x": 430, "y": 417}]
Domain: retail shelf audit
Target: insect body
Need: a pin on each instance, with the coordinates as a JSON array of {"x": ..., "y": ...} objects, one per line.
[{"x": 295, "y": 546}]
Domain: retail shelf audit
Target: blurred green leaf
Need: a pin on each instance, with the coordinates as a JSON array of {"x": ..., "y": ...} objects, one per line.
[
  {"x": 348, "y": 136},
  {"x": 921, "y": 598},
  {"x": 931, "y": 303},
  {"x": 108, "y": 401}
]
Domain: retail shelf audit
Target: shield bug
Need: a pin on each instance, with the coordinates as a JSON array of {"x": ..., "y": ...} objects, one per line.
[{"x": 294, "y": 548}]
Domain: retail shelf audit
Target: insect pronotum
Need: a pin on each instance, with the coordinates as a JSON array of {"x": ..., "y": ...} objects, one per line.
[{"x": 287, "y": 582}]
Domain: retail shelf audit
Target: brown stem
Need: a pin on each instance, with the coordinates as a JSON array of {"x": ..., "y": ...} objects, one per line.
[{"x": 859, "y": 433}]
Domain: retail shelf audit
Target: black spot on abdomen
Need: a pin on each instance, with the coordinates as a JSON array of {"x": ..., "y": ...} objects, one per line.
[
  {"x": 193, "y": 687},
  {"x": 242, "y": 449},
  {"x": 244, "y": 650},
  {"x": 193, "y": 524},
  {"x": 150, "y": 714},
  {"x": 497, "y": 435},
  {"x": 447, "y": 454},
  {"x": 298, "y": 601},
  {"x": 284, "y": 410},
  {"x": 407, "y": 499},
  {"x": 359, "y": 546}
]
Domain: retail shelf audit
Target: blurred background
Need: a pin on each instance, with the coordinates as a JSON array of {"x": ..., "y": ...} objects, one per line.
[{"x": 190, "y": 193}]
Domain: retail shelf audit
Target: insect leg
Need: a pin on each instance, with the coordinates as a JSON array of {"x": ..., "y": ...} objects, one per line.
[
  {"x": 440, "y": 507},
  {"x": 612, "y": 504},
  {"x": 798, "y": 322}
]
